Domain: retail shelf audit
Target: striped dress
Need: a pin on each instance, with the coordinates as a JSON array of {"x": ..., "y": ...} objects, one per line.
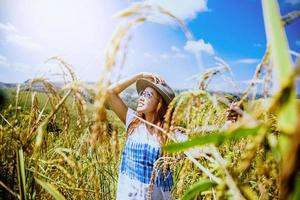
[{"x": 140, "y": 152}]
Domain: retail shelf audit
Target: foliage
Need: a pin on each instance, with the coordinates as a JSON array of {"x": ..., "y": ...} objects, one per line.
[{"x": 55, "y": 143}]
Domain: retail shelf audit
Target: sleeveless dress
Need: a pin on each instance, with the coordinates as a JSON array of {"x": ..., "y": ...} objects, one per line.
[{"x": 140, "y": 152}]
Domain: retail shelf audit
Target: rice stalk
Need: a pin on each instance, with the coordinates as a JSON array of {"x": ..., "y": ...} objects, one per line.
[
  {"x": 257, "y": 73},
  {"x": 290, "y": 17},
  {"x": 233, "y": 188},
  {"x": 17, "y": 99},
  {"x": 49, "y": 188},
  {"x": 251, "y": 151},
  {"x": 100, "y": 128},
  {"x": 145, "y": 9},
  {"x": 9, "y": 190},
  {"x": 267, "y": 81},
  {"x": 76, "y": 86},
  {"x": 42, "y": 126},
  {"x": 21, "y": 174},
  {"x": 208, "y": 74},
  {"x": 281, "y": 62},
  {"x": 66, "y": 65},
  {"x": 54, "y": 99}
]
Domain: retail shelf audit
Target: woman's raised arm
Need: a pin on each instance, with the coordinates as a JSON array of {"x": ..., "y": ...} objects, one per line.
[{"x": 114, "y": 101}]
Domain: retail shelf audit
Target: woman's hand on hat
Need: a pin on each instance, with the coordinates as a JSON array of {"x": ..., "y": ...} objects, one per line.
[{"x": 151, "y": 77}]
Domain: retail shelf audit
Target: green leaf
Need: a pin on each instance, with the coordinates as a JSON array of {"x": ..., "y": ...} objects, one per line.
[
  {"x": 21, "y": 174},
  {"x": 281, "y": 60},
  {"x": 198, "y": 187},
  {"x": 287, "y": 117},
  {"x": 277, "y": 40},
  {"x": 51, "y": 189},
  {"x": 212, "y": 138},
  {"x": 296, "y": 192},
  {"x": 248, "y": 192}
]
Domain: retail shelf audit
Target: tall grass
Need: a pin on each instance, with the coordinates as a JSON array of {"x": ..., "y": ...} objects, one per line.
[{"x": 55, "y": 144}]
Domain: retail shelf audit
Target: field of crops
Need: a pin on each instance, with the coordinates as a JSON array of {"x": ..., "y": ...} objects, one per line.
[{"x": 63, "y": 143}]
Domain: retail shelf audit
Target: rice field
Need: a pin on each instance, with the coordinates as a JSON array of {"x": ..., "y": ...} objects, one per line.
[{"x": 63, "y": 143}]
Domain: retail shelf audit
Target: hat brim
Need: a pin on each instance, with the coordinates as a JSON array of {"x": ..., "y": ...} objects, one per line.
[{"x": 141, "y": 84}]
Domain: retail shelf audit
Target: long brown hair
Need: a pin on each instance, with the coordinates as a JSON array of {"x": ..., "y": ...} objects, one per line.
[{"x": 161, "y": 110}]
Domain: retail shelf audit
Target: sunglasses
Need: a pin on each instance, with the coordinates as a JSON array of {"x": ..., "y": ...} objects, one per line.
[{"x": 147, "y": 94}]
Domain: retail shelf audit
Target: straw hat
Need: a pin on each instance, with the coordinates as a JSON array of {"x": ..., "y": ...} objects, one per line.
[{"x": 161, "y": 87}]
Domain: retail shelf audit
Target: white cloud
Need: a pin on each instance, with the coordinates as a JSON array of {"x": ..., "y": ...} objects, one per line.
[
  {"x": 147, "y": 55},
  {"x": 3, "y": 58},
  {"x": 15, "y": 66},
  {"x": 292, "y": 2},
  {"x": 198, "y": 46},
  {"x": 3, "y": 61},
  {"x": 13, "y": 36},
  {"x": 23, "y": 41},
  {"x": 175, "y": 49},
  {"x": 175, "y": 52},
  {"x": 20, "y": 67},
  {"x": 8, "y": 28},
  {"x": 180, "y": 55},
  {"x": 164, "y": 56},
  {"x": 132, "y": 51},
  {"x": 257, "y": 45},
  {"x": 247, "y": 61},
  {"x": 185, "y": 10}
]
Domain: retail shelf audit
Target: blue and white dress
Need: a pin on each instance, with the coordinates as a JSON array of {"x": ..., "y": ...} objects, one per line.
[{"x": 140, "y": 152}]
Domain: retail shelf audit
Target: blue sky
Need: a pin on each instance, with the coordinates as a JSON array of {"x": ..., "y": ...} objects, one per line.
[{"x": 80, "y": 31}]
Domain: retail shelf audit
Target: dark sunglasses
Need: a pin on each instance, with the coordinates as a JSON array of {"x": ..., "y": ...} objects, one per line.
[{"x": 147, "y": 94}]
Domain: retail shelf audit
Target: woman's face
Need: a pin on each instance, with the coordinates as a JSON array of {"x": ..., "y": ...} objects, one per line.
[{"x": 147, "y": 101}]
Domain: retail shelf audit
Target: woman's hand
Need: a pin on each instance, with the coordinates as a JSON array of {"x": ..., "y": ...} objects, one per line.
[
  {"x": 151, "y": 77},
  {"x": 231, "y": 113}
]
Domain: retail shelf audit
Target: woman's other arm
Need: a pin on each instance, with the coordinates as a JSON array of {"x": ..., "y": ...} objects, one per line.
[{"x": 114, "y": 101}]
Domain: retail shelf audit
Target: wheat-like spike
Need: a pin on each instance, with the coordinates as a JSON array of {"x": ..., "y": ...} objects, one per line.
[
  {"x": 251, "y": 150},
  {"x": 290, "y": 17},
  {"x": 116, "y": 144},
  {"x": 209, "y": 73},
  {"x": 146, "y": 9},
  {"x": 183, "y": 101},
  {"x": 189, "y": 113},
  {"x": 34, "y": 110},
  {"x": 76, "y": 87},
  {"x": 180, "y": 22},
  {"x": 256, "y": 75},
  {"x": 42, "y": 126},
  {"x": 54, "y": 99},
  {"x": 49, "y": 87},
  {"x": 100, "y": 127},
  {"x": 81, "y": 108},
  {"x": 67, "y": 159},
  {"x": 157, "y": 166},
  {"x": 17, "y": 98},
  {"x": 134, "y": 10},
  {"x": 66, "y": 65},
  {"x": 267, "y": 81},
  {"x": 169, "y": 114}
]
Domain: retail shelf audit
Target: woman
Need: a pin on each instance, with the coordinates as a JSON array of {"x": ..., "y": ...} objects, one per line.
[{"x": 143, "y": 141}]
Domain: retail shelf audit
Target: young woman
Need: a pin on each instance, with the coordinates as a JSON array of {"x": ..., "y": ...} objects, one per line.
[{"x": 143, "y": 141}]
